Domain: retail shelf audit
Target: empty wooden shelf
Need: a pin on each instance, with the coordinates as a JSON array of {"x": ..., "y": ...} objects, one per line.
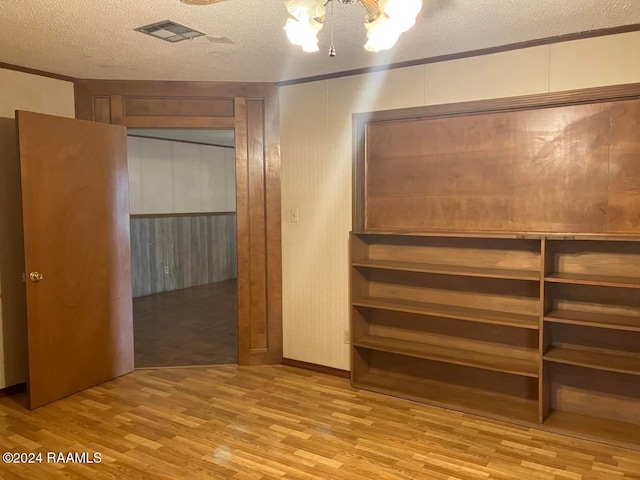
[
  {"x": 447, "y": 320},
  {"x": 611, "y": 361},
  {"x": 592, "y": 338},
  {"x": 458, "y": 356},
  {"x": 466, "y": 271},
  {"x": 592, "y": 403},
  {"x": 595, "y": 319},
  {"x": 448, "y": 395},
  {"x": 591, "y": 261},
  {"x": 593, "y": 428},
  {"x": 588, "y": 279},
  {"x": 451, "y": 311}
]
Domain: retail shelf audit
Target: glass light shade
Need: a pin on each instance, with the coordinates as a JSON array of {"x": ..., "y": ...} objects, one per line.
[
  {"x": 303, "y": 33},
  {"x": 382, "y": 34},
  {"x": 401, "y": 12},
  {"x": 306, "y": 9}
]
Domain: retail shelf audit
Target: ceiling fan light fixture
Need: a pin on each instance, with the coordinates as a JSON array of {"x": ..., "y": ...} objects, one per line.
[
  {"x": 303, "y": 33},
  {"x": 403, "y": 13},
  {"x": 306, "y": 9},
  {"x": 382, "y": 34},
  {"x": 385, "y": 21}
]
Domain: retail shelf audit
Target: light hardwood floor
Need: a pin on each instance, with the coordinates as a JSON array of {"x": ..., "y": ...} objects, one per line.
[{"x": 276, "y": 422}]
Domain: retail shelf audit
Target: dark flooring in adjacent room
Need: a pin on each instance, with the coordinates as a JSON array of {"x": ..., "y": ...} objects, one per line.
[{"x": 194, "y": 326}]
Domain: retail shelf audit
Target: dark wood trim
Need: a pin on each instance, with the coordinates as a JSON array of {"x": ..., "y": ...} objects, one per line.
[
  {"x": 86, "y": 90},
  {"x": 359, "y": 174},
  {"x": 611, "y": 93},
  {"x": 181, "y": 141},
  {"x": 257, "y": 152},
  {"x": 273, "y": 215},
  {"x": 243, "y": 228},
  {"x": 13, "y": 389},
  {"x": 224, "y": 123},
  {"x": 468, "y": 54},
  {"x": 507, "y": 235},
  {"x": 336, "y": 372},
  {"x": 33, "y": 71},
  {"x": 476, "y": 107},
  {"x": 171, "y": 215}
]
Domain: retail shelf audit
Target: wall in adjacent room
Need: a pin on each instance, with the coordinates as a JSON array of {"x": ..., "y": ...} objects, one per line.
[
  {"x": 182, "y": 251},
  {"x": 178, "y": 177},
  {"x": 316, "y": 149},
  {"x": 18, "y": 91},
  {"x": 179, "y": 180}
]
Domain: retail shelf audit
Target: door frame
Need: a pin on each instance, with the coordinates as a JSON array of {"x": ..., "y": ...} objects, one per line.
[{"x": 252, "y": 111}]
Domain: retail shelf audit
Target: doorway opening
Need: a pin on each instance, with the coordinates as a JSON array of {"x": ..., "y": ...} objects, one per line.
[{"x": 182, "y": 191}]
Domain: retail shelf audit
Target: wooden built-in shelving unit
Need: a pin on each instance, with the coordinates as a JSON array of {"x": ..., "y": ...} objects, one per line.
[{"x": 536, "y": 329}]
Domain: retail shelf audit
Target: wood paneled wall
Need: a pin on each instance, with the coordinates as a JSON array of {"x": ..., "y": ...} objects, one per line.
[
  {"x": 179, "y": 177},
  {"x": 255, "y": 119},
  {"x": 528, "y": 167},
  {"x": 171, "y": 253}
]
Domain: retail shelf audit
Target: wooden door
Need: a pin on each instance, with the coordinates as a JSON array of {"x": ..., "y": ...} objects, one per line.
[{"x": 77, "y": 254}]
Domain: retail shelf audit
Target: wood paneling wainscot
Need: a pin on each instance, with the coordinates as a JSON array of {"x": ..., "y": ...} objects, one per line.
[
  {"x": 172, "y": 252},
  {"x": 251, "y": 109}
]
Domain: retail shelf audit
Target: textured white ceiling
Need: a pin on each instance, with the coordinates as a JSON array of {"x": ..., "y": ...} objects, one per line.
[{"x": 95, "y": 38}]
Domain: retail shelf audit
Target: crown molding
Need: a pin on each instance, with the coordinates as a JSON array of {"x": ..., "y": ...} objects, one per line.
[
  {"x": 468, "y": 54},
  {"x": 33, "y": 71}
]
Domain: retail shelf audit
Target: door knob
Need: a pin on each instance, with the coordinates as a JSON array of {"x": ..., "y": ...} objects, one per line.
[{"x": 35, "y": 276}]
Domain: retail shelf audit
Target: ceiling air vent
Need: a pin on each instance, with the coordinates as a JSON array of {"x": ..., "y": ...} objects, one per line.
[{"x": 169, "y": 31}]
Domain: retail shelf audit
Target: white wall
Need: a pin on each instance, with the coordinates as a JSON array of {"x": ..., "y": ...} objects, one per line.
[
  {"x": 22, "y": 91},
  {"x": 177, "y": 177},
  {"x": 316, "y": 148}
]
